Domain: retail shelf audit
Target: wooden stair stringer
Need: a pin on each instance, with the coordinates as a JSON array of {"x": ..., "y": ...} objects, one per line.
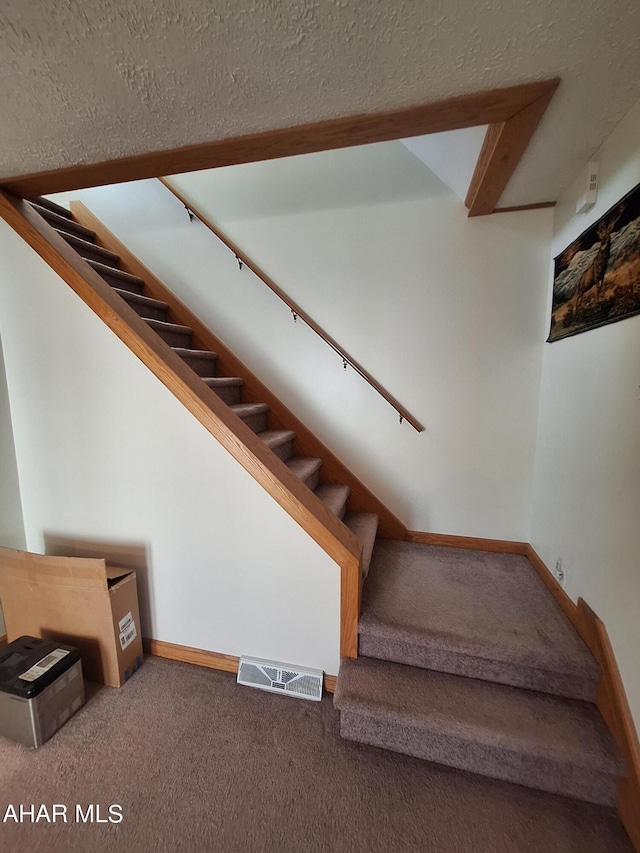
[
  {"x": 333, "y": 471},
  {"x": 335, "y": 539}
]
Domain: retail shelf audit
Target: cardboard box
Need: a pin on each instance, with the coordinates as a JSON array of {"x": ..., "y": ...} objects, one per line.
[{"x": 78, "y": 601}]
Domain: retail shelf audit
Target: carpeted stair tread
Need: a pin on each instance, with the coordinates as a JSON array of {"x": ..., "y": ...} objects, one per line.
[
  {"x": 364, "y": 525},
  {"x": 243, "y": 410},
  {"x": 91, "y": 251},
  {"x": 63, "y": 223},
  {"x": 306, "y": 468},
  {"x": 223, "y": 381},
  {"x": 165, "y": 326},
  {"x": 279, "y": 441},
  {"x": 173, "y": 334},
  {"x": 333, "y": 497},
  {"x": 275, "y": 437},
  {"x": 547, "y": 742},
  {"x": 203, "y": 354},
  {"x": 202, "y": 362},
  {"x": 472, "y": 613},
  {"x": 105, "y": 270},
  {"x": 228, "y": 388},
  {"x": 52, "y": 206},
  {"x": 253, "y": 414},
  {"x": 145, "y": 306}
]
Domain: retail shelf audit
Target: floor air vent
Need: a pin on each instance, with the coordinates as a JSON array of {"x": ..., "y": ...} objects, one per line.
[{"x": 281, "y": 678}]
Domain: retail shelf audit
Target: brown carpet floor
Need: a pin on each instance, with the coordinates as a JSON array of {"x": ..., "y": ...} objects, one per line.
[{"x": 199, "y": 764}]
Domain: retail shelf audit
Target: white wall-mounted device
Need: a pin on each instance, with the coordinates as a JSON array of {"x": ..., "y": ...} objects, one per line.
[{"x": 588, "y": 198}]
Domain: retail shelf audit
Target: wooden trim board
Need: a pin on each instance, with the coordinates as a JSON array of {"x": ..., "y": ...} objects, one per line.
[
  {"x": 3, "y": 641},
  {"x": 541, "y": 205},
  {"x": 254, "y": 391},
  {"x": 294, "y": 307},
  {"x": 502, "y": 546},
  {"x": 504, "y": 144},
  {"x": 241, "y": 442},
  {"x": 611, "y": 699},
  {"x": 470, "y": 110},
  {"x": 201, "y": 657}
]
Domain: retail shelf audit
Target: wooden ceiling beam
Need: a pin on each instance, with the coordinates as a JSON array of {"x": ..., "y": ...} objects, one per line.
[
  {"x": 489, "y": 107},
  {"x": 504, "y": 144}
]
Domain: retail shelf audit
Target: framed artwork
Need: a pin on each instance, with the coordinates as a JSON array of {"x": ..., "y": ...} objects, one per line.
[{"x": 596, "y": 279}]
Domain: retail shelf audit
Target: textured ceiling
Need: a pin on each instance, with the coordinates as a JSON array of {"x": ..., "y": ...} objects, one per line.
[{"x": 89, "y": 80}]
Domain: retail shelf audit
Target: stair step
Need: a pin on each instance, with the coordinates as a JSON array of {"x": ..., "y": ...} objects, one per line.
[
  {"x": 253, "y": 414},
  {"x": 533, "y": 739},
  {"x": 364, "y": 525},
  {"x": 280, "y": 441},
  {"x": 306, "y": 469},
  {"x": 228, "y": 388},
  {"x": 172, "y": 333},
  {"x": 118, "y": 278},
  {"x": 52, "y": 206},
  {"x": 200, "y": 361},
  {"x": 89, "y": 251},
  {"x": 63, "y": 223},
  {"x": 145, "y": 306},
  {"x": 486, "y": 616},
  {"x": 334, "y": 498}
]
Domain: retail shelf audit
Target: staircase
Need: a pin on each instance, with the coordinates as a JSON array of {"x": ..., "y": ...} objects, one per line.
[
  {"x": 466, "y": 660},
  {"x": 230, "y": 389}
]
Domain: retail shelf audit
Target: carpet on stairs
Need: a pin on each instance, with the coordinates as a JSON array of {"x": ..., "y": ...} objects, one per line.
[
  {"x": 467, "y": 660},
  {"x": 474, "y": 613}
]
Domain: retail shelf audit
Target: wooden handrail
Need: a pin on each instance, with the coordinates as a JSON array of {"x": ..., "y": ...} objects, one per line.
[
  {"x": 335, "y": 539},
  {"x": 295, "y": 309},
  {"x": 279, "y": 417}
]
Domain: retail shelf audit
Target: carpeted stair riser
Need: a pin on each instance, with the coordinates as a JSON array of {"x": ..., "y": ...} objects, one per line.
[
  {"x": 541, "y": 741},
  {"x": 256, "y": 423},
  {"x": 229, "y": 394},
  {"x": 148, "y": 309},
  {"x": 117, "y": 281},
  {"x": 364, "y": 526},
  {"x": 334, "y": 498},
  {"x": 284, "y": 451},
  {"x": 53, "y": 207},
  {"x": 172, "y": 336},
  {"x": 312, "y": 481},
  {"x": 545, "y": 775},
  {"x": 279, "y": 442},
  {"x": 90, "y": 252},
  {"x": 201, "y": 365},
  {"x": 306, "y": 469},
  {"x": 393, "y": 647}
]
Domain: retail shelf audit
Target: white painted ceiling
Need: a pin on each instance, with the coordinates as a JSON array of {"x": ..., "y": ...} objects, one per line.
[{"x": 88, "y": 80}]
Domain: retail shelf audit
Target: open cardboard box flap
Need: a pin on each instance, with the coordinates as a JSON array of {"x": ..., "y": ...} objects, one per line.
[
  {"x": 114, "y": 575},
  {"x": 79, "y": 601}
]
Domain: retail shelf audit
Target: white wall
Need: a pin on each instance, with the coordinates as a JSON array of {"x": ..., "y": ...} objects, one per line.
[
  {"x": 587, "y": 474},
  {"x": 446, "y": 312},
  {"x": 105, "y": 452},
  {"x": 11, "y": 523},
  {"x": 452, "y": 155}
]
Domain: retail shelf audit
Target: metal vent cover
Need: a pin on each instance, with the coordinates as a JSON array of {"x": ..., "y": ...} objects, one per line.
[{"x": 281, "y": 678}]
